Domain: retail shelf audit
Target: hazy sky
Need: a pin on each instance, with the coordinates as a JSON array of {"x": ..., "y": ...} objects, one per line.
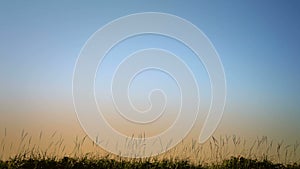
[{"x": 258, "y": 43}]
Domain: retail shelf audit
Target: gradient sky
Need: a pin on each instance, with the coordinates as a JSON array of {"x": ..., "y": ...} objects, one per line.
[{"x": 258, "y": 43}]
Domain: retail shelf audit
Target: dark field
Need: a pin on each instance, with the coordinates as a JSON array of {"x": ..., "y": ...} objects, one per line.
[
  {"x": 85, "y": 163},
  {"x": 222, "y": 152}
]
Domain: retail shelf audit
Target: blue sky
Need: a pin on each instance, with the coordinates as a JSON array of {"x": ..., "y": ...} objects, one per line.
[{"x": 258, "y": 43}]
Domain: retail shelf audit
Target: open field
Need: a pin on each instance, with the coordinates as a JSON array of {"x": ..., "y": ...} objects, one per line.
[
  {"x": 85, "y": 163},
  {"x": 52, "y": 151}
]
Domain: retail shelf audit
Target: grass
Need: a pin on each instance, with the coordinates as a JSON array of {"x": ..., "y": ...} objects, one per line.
[
  {"x": 217, "y": 153},
  {"x": 86, "y": 163}
]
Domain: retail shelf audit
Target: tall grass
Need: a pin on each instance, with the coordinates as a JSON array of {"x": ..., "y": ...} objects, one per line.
[{"x": 218, "y": 151}]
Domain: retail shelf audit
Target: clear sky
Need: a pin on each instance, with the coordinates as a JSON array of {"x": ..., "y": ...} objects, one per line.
[{"x": 258, "y": 43}]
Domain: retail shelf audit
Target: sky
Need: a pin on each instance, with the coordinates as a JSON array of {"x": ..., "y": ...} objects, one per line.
[{"x": 257, "y": 42}]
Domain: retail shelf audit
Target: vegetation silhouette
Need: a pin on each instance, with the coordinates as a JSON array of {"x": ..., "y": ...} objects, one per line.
[{"x": 219, "y": 153}]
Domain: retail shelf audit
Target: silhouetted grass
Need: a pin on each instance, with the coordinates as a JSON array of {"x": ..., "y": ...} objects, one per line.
[
  {"x": 219, "y": 153},
  {"x": 106, "y": 163}
]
